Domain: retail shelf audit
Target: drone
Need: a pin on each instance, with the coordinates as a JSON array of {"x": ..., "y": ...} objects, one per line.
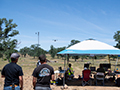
[{"x": 55, "y": 40}]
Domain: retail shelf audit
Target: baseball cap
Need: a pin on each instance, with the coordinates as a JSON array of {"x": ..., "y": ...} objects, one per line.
[
  {"x": 85, "y": 68},
  {"x": 42, "y": 57},
  {"x": 15, "y": 55}
]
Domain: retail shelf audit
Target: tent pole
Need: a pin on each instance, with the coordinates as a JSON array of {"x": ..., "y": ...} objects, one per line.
[
  {"x": 64, "y": 70},
  {"x": 116, "y": 64},
  {"x": 67, "y": 55},
  {"x": 108, "y": 58},
  {"x": 93, "y": 60}
]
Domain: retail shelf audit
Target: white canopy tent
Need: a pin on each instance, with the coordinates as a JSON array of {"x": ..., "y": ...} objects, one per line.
[{"x": 90, "y": 47}]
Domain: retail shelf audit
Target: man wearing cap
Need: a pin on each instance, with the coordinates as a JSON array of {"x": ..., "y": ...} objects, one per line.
[
  {"x": 13, "y": 74},
  {"x": 42, "y": 75}
]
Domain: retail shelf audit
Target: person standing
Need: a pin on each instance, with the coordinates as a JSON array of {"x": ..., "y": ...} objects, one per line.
[
  {"x": 38, "y": 63},
  {"x": 13, "y": 74},
  {"x": 42, "y": 75}
]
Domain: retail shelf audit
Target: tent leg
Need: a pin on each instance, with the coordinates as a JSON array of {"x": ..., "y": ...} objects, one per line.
[
  {"x": 116, "y": 64},
  {"x": 67, "y": 58},
  {"x": 109, "y": 58},
  {"x": 64, "y": 71}
]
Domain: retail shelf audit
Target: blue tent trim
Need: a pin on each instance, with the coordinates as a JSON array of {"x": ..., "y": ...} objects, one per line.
[{"x": 101, "y": 52}]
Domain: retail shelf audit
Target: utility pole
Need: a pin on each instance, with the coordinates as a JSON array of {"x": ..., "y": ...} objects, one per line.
[
  {"x": 38, "y": 37},
  {"x": 38, "y": 43}
]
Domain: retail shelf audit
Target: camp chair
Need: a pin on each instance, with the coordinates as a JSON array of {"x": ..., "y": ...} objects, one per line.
[
  {"x": 100, "y": 76},
  {"x": 86, "y": 77}
]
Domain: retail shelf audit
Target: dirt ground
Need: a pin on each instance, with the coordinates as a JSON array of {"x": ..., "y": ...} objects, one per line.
[
  {"x": 28, "y": 64},
  {"x": 28, "y": 86}
]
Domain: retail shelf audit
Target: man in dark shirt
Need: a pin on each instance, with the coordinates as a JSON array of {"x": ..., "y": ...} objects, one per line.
[
  {"x": 42, "y": 75},
  {"x": 13, "y": 74},
  {"x": 101, "y": 69}
]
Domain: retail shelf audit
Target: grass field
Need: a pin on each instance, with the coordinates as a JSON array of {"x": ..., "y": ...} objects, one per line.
[{"x": 29, "y": 63}]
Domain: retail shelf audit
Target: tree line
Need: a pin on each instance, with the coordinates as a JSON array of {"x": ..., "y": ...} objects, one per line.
[
  {"x": 34, "y": 50},
  {"x": 8, "y": 45}
]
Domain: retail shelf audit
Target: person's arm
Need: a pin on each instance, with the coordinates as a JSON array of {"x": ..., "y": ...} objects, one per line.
[
  {"x": 34, "y": 81},
  {"x": 21, "y": 82},
  {"x": 52, "y": 77},
  {"x": 3, "y": 73}
]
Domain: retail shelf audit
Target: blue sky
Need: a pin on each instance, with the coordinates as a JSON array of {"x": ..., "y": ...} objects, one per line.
[{"x": 63, "y": 20}]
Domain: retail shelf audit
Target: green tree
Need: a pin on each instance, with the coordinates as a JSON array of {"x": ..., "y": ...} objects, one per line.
[
  {"x": 60, "y": 49},
  {"x": 75, "y": 57},
  {"x": 24, "y": 51},
  {"x": 33, "y": 50},
  {"x": 36, "y": 50},
  {"x": 7, "y": 45},
  {"x": 52, "y": 51},
  {"x": 6, "y": 28},
  {"x": 117, "y": 39},
  {"x": 73, "y": 42},
  {"x": 40, "y": 51}
]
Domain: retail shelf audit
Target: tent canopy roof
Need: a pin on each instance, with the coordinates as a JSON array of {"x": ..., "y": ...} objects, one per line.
[{"x": 91, "y": 47}]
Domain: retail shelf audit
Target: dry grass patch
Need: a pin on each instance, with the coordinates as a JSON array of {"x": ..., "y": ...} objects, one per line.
[{"x": 29, "y": 63}]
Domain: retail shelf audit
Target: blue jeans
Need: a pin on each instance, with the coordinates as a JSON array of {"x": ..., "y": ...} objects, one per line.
[
  {"x": 42, "y": 88},
  {"x": 10, "y": 88}
]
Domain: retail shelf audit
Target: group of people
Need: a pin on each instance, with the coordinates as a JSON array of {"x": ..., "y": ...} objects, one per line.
[
  {"x": 87, "y": 73},
  {"x": 42, "y": 74},
  {"x": 13, "y": 74}
]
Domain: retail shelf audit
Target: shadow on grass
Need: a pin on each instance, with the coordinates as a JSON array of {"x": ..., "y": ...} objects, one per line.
[
  {"x": 117, "y": 65},
  {"x": 77, "y": 82},
  {"x": 76, "y": 61}
]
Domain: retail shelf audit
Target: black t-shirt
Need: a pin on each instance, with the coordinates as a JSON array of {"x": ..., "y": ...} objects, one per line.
[
  {"x": 101, "y": 70},
  {"x": 43, "y": 74},
  {"x": 12, "y": 71}
]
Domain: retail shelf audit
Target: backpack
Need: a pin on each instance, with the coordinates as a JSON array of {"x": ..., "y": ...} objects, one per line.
[
  {"x": 118, "y": 82},
  {"x": 59, "y": 81}
]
